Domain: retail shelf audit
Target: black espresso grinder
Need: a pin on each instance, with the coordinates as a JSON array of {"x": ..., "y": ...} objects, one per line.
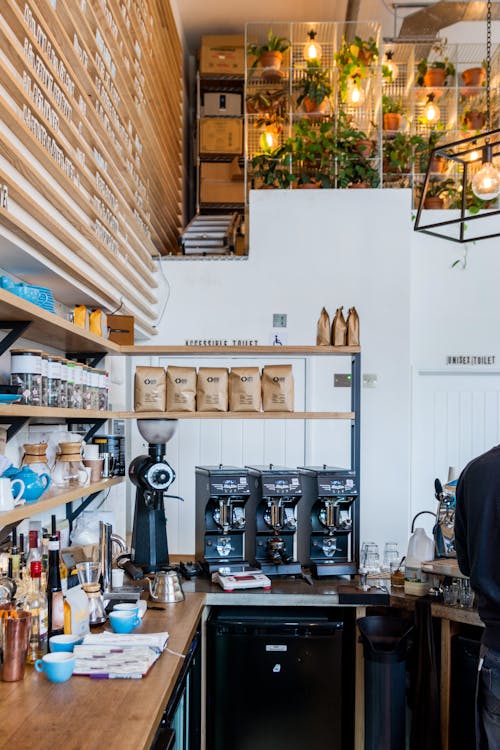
[{"x": 152, "y": 476}]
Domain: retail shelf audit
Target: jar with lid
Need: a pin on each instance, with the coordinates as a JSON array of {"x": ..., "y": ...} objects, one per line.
[
  {"x": 63, "y": 389},
  {"x": 76, "y": 400},
  {"x": 68, "y": 470},
  {"x": 94, "y": 388},
  {"x": 86, "y": 388},
  {"x": 53, "y": 379},
  {"x": 70, "y": 383},
  {"x": 26, "y": 373},
  {"x": 45, "y": 368},
  {"x": 35, "y": 456}
]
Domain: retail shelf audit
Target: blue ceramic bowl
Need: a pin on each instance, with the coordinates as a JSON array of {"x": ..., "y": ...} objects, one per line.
[
  {"x": 123, "y": 622},
  {"x": 58, "y": 667},
  {"x": 64, "y": 642}
]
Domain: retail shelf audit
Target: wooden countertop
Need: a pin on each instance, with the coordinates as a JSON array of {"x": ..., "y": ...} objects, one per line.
[
  {"x": 109, "y": 714},
  {"x": 438, "y": 609}
]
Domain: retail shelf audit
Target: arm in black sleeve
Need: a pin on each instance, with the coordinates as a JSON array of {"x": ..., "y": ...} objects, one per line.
[{"x": 461, "y": 545}]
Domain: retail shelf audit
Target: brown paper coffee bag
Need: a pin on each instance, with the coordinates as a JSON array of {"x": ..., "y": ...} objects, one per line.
[
  {"x": 244, "y": 389},
  {"x": 352, "y": 327},
  {"x": 181, "y": 388},
  {"x": 339, "y": 328},
  {"x": 277, "y": 388},
  {"x": 323, "y": 329},
  {"x": 211, "y": 389},
  {"x": 149, "y": 389}
]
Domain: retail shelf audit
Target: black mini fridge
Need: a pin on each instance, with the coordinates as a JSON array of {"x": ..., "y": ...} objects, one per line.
[{"x": 274, "y": 680}]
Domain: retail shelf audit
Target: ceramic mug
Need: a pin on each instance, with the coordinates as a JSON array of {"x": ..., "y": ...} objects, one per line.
[
  {"x": 91, "y": 452},
  {"x": 127, "y": 607},
  {"x": 57, "y": 666},
  {"x": 7, "y": 495},
  {"x": 123, "y": 622},
  {"x": 95, "y": 466},
  {"x": 64, "y": 642}
]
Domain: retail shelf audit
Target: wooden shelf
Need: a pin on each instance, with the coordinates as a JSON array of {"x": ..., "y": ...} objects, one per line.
[
  {"x": 232, "y": 351},
  {"x": 54, "y": 497},
  {"x": 51, "y": 329},
  {"x": 49, "y": 412},
  {"x": 237, "y": 415}
]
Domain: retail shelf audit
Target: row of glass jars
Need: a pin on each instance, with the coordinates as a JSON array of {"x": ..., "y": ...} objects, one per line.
[{"x": 50, "y": 380}]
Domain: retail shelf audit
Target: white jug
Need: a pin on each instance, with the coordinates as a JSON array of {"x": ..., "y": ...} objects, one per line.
[{"x": 6, "y": 496}]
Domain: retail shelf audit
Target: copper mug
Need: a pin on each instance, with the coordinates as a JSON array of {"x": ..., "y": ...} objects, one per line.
[{"x": 15, "y": 626}]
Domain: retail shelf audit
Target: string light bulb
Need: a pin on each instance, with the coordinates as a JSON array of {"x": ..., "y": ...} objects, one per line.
[
  {"x": 391, "y": 66},
  {"x": 355, "y": 93},
  {"x": 312, "y": 48},
  {"x": 431, "y": 110},
  {"x": 269, "y": 138},
  {"x": 486, "y": 182}
]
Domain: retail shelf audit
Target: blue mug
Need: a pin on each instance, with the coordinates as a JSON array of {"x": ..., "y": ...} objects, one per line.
[
  {"x": 123, "y": 622},
  {"x": 64, "y": 642},
  {"x": 57, "y": 666},
  {"x": 127, "y": 607}
]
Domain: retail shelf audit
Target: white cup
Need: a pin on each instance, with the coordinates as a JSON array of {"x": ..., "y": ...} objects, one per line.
[
  {"x": 6, "y": 496},
  {"x": 117, "y": 575},
  {"x": 91, "y": 452}
]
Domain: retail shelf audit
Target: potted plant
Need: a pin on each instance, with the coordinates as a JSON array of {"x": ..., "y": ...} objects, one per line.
[
  {"x": 439, "y": 163},
  {"x": 269, "y": 55},
  {"x": 400, "y": 152},
  {"x": 392, "y": 112},
  {"x": 434, "y": 73},
  {"x": 313, "y": 148},
  {"x": 438, "y": 190},
  {"x": 272, "y": 169},
  {"x": 474, "y": 118},
  {"x": 353, "y": 60},
  {"x": 267, "y": 102},
  {"x": 474, "y": 77},
  {"x": 355, "y": 166},
  {"x": 315, "y": 87}
]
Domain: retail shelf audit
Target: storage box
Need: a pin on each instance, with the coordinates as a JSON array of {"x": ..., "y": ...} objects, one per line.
[
  {"x": 218, "y": 185},
  {"x": 220, "y": 103},
  {"x": 221, "y": 135},
  {"x": 223, "y": 54},
  {"x": 121, "y": 329}
]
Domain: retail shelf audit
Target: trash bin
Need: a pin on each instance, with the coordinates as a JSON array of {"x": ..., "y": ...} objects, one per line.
[{"x": 385, "y": 643}]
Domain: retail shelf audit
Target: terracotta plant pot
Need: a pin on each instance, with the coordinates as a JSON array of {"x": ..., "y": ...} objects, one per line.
[
  {"x": 358, "y": 186},
  {"x": 438, "y": 164},
  {"x": 365, "y": 147},
  {"x": 433, "y": 203},
  {"x": 473, "y": 76},
  {"x": 434, "y": 77},
  {"x": 392, "y": 121},
  {"x": 270, "y": 62},
  {"x": 312, "y": 107},
  {"x": 475, "y": 120}
]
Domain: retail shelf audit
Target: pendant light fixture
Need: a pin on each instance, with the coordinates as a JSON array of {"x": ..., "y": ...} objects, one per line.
[
  {"x": 312, "y": 48},
  {"x": 391, "y": 66},
  {"x": 482, "y": 183},
  {"x": 431, "y": 110},
  {"x": 355, "y": 92}
]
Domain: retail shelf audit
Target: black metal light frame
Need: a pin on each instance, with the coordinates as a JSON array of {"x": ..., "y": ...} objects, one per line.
[{"x": 459, "y": 153}]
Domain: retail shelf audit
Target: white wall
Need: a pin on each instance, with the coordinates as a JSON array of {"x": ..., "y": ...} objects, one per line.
[{"x": 309, "y": 249}]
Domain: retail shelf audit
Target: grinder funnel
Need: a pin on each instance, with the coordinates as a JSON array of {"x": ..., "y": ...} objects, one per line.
[{"x": 157, "y": 430}]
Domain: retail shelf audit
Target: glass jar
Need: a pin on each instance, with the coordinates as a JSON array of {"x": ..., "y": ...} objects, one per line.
[
  {"x": 26, "y": 373},
  {"x": 70, "y": 383},
  {"x": 94, "y": 388},
  {"x": 86, "y": 388},
  {"x": 44, "y": 372},
  {"x": 63, "y": 389},
  {"x": 77, "y": 399},
  {"x": 53, "y": 379},
  {"x": 68, "y": 470}
]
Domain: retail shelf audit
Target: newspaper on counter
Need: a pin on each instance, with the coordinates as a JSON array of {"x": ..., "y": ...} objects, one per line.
[{"x": 109, "y": 656}]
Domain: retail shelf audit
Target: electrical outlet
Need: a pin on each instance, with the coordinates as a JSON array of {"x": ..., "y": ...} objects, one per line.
[
  {"x": 279, "y": 320},
  {"x": 342, "y": 380},
  {"x": 370, "y": 380}
]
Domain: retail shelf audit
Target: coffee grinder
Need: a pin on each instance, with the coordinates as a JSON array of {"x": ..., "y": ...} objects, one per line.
[
  {"x": 152, "y": 476},
  {"x": 221, "y": 520},
  {"x": 325, "y": 541},
  {"x": 276, "y": 490}
]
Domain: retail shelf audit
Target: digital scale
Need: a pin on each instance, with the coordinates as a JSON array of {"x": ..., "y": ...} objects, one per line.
[{"x": 246, "y": 579}]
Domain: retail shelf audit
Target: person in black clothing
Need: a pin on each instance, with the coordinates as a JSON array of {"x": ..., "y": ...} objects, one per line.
[{"x": 477, "y": 542}]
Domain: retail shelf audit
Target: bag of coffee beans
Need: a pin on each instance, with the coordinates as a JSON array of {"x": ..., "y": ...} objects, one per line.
[
  {"x": 339, "y": 328},
  {"x": 181, "y": 388},
  {"x": 149, "y": 389},
  {"x": 211, "y": 389},
  {"x": 352, "y": 327},
  {"x": 277, "y": 388},
  {"x": 244, "y": 389},
  {"x": 323, "y": 329}
]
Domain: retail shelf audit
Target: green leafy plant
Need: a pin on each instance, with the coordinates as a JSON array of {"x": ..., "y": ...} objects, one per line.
[
  {"x": 392, "y": 105},
  {"x": 401, "y": 151},
  {"x": 424, "y": 65},
  {"x": 273, "y": 168},
  {"x": 439, "y": 188},
  {"x": 274, "y": 44},
  {"x": 353, "y": 151},
  {"x": 315, "y": 85},
  {"x": 353, "y": 60},
  {"x": 269, "y": 106},
  {"x": 313, "y": 148}
]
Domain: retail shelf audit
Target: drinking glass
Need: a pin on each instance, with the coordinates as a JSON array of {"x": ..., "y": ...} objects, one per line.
[{"x": 391, "y": 555}]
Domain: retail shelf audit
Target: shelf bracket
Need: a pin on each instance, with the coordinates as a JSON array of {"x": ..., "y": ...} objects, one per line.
[
  {"x": 72, "y": 515},
  {"x": 15, "y": 424},
  {"x": 91, "y": 359},
  {"x": 16, "y": 327},
  {"x": 96, "y": 424}
]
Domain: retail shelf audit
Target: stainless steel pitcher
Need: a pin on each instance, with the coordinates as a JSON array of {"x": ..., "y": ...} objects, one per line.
[{"x": 166, "y": 587}]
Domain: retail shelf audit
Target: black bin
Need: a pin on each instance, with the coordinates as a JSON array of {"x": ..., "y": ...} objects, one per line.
[{"x": 385, "y": 643}]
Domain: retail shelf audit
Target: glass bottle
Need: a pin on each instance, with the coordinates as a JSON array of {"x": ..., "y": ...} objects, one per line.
[
  {"x": 34, "y": 554},
  {"x": 14, "y": 558},
  {"x": 54, "y": 588},
  {"x": 35, "y": 602}
]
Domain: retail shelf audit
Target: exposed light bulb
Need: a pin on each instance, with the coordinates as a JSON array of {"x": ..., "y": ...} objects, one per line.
[
  {"x": 355, "y": 95},
  {"x": 312, "y": 48},
  {"x": 391, "y": 66},
  {"x": 486, "y": 182},
  {"x": 431, "y": 110},
  {"x": 474, "y": 155},
  {"x": 268, "y": 139}
]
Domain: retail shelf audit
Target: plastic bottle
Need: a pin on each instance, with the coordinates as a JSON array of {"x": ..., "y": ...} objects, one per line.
[{"x": 420, "y": 549}]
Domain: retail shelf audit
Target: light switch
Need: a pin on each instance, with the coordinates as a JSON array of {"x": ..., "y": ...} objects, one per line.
[
  {"x": 370, "y": 380},
  {"x": 279, "y": 320}
]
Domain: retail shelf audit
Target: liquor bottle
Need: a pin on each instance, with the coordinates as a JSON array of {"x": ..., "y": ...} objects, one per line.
[
  {"x": 22, "y": 552},
  {"x": 14, "y": 558},
  {"x": 35, "y": 602},
  {"x": 63, "y": 570},
  {"x": 34, "y": 554},
  {"x": 54, "y": 589}
]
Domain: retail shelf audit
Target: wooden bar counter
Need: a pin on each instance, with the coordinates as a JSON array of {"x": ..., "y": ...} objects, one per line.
[{"x": 85, "y": 714}]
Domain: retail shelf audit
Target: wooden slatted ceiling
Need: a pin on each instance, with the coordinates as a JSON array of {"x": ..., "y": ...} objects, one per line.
[{"x": 91, "y": 102}]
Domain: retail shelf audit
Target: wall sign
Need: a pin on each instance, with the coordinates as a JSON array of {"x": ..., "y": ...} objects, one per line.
[{"x": 470, "y": 359}]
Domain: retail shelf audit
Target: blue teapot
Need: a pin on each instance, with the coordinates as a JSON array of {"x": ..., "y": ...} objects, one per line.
[{"x": 34, "y": 484}]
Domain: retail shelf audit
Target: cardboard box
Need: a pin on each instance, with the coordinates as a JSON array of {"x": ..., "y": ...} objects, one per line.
[
  {"x": 223, "y": 54},
  {"x": 121, "y": 329},
  {"x": 218, "y": 184},
  {"x": 220, "y": 103},
  {"x": 221, "y": 135}
]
